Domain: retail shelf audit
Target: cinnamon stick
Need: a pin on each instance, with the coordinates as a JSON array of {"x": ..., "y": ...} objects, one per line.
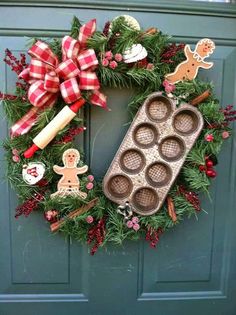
[
  {"x": 151, "y": 31},
  {"x": 199, "y": 99},
  {"x": 56, "y": 225},
  {"x": 171, "y": 209}
]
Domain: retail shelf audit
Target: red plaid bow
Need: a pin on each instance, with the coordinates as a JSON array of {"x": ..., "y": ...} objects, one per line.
[{"x": 47, "y": 77}]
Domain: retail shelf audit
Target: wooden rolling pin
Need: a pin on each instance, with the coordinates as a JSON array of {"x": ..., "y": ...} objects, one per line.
[{"x": 51, "y": 130}]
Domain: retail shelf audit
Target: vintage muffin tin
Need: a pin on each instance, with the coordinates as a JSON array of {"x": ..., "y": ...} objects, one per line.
[{"x": 152, "y": 153}]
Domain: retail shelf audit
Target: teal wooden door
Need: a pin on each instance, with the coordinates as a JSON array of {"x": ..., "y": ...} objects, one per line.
[{"x": 193, "y": 271}]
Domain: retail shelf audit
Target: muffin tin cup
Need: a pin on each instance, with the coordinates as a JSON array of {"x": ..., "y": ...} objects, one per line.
[
  {"x": 186, "y": 121},
  {"x": 120, "y": 186},
  {"x": 145, "y": 135},
  {"x": 158, "y": 174},
  {"x": 132, "y": 161},
  {"x": 145, "y": 200},
  {"x": 172, "y": 148},
  {"x": 152, "y": 153},
  {"x": 159, "y": 108}
]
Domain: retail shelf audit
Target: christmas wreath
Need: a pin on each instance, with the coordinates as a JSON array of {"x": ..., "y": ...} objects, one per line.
[{"x": 60, "y": 77}]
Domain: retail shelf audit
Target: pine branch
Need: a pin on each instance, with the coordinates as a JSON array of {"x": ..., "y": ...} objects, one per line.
[
  {"x": 75, "y": 27},
  {"x": 196, "y": 180}
]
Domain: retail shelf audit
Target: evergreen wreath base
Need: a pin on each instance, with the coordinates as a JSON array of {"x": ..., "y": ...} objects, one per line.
[{"x": 108, "y": 225}]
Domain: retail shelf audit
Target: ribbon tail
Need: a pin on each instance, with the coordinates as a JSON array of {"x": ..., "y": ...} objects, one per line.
[
  {"x": 25, "y": 123},
  {"x": 99, "y": 99},
  {"x": 87, "y": 30}
]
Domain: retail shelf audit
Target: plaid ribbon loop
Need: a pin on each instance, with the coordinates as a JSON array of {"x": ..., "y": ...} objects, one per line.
[
  {"x": 42, "y": 52},
  {"x": 70, "y": 48},
  {"x": 47, "y": 77}
]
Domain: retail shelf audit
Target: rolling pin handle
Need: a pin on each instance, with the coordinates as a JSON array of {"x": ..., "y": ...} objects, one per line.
[
  {"x": 30, "y": 152},
  {"x": 77, "y": 105}
]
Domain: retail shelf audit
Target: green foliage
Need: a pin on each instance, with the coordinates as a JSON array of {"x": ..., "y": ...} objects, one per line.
[
  {"x": 114, "y": 79},
  {"x": 143, "y": 82},
  {"x": 98, "y": 42},
  {"x": 15, "y": 109},
  {"x": 75, "y": 26},
  {"x": 196, "y": 180}
]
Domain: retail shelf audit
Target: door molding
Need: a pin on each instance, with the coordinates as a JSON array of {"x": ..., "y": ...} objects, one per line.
[{"x": 170, "y": 6}]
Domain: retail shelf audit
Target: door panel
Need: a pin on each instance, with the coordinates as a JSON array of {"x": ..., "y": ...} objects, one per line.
[{"x": 193, "y": 268}]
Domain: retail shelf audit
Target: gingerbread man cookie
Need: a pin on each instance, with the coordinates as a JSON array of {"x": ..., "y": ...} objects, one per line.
[
  {"x": 69, "y": 184},
  {"x": 188, "y": 69}
]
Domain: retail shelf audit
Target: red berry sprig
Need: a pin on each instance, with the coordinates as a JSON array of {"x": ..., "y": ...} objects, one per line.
[
  {"x": 229, "y": 113},
  {"x": 96, "y": 235},
  {"x": 29, "y": 205},
  {"x": 153, "y": 236},
  {"x": 16, "y": 65},
  {"x": 191, "y": 197},
  {"x": 229, "y": 116},
  {"x": 170, "y": 52},
  {"x": 70, "y": 135},
  {"x": 106, "y": 28}
]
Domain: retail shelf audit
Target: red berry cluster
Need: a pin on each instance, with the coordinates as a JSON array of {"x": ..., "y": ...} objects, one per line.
[
  {"x": 51, "y": 215},
  {"x": 191, "y": 197},
  {"x": 208, "y": 168},
  {"x": 96, "y": 235},
  {"x": 170, "y": 52},
  {"x": 69, "y": 136},
  {"x": 229, "y": 113},
  {"x": 142, "y": 63},
  {"x": 106, "y": 28},
  {"x": 29, "y": 205},
  {"x": 16, "y": 65},
  {"x": 42, "y": 183},
  {"x": 153, "y": 236}
]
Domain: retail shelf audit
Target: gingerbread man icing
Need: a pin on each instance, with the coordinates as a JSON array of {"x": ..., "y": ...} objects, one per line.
[
  {"x": 69, "y": 184},
  {"x": 188, "y": 69}
]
